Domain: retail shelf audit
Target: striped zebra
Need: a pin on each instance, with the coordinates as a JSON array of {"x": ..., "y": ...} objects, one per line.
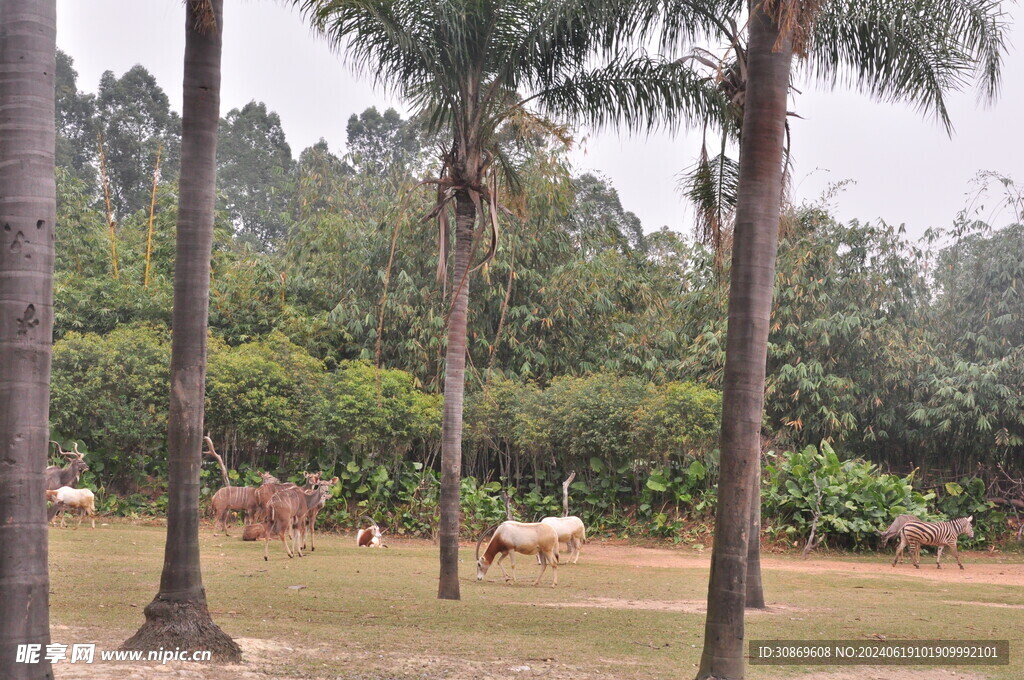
[{"x": 939, "y": 534}]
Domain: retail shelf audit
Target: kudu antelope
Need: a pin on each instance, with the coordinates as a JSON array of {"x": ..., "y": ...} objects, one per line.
[
  {"x": 271, "y": 486},
  {"x": 68, "y": 475},
  {"x": 57, "y": 477},
  {"x": 286, "y": 513},
  {"x": 325, "y": 487},
  {"x": 533, "y": 538},
  {"x": 229, "y": 498}
]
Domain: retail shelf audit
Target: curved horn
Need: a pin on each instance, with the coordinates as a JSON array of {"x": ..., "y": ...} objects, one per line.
[
  {"x": 81, "y": 456},
  {"x": 57, "y": 444},
  {"x": 362, "y": 517},
  {"x": 489, "y": 530}
]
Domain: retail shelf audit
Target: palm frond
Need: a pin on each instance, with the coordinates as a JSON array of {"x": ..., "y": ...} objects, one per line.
[
  {"x": 711, "y": 186},
  {"x": 637, "y": 92},
  {"x": 910, "y": 50},
  {"x": 684, "y": 22}
]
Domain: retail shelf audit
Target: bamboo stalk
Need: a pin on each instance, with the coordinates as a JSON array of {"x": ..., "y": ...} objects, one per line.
[
  {"x": 152, "y": 211},
  {"x": 106, "y": 196}
]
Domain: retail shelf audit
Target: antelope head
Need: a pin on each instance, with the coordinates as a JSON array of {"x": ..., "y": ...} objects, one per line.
[
  {"x": 78, "y": 463},
  {"x": 482, "y": 563}
]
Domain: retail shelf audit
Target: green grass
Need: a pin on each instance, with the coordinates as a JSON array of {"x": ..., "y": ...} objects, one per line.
[{"x": 378, "y": 606}]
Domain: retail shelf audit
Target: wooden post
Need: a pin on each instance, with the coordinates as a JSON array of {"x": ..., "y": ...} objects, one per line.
[
  {"x": 565, "y": 494},
  {"x": 152, "y": 210},
  {"x": 508, "y": 505}
]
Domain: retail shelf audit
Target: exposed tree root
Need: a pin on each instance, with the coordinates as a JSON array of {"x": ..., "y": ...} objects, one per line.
[{"x": 185, "y": 625}]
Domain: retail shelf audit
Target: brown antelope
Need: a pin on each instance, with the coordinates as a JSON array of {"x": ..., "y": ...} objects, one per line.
[
  {"x": 370, "y": 537},
  {"x": 570, "y": 531},
  {"x": 533, "y": 538},
  {"x": 56, "y": 477},
  {"x": 229, "y": 498},
  {"x": 325, "y": 488},
  {"x": 271, "y": 486},
  {"x": 286, "y": 513}
]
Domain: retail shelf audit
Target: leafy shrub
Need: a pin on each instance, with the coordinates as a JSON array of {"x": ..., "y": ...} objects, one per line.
[
  {"x": 967, "y": 498},
  {"x": 852, "y": 498}
]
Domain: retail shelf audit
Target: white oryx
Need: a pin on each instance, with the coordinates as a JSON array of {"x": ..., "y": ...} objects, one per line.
[
  {"x": 82, "y": 501},
  {"x": 510, "y": 537},
  {"x": 570, "y": 531}
]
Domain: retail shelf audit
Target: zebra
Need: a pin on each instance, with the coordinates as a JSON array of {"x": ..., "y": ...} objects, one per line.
[{"x": 939, "y": 534}]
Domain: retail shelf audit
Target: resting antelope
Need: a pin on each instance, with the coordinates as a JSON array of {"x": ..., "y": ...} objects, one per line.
[
  {"x": 370, "y": 537},
  {"x": 526, "y": 538},
  {"x": 570, "y": 531}
]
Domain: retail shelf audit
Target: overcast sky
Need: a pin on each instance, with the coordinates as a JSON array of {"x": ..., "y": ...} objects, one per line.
[{"x": 905, "y": 167}]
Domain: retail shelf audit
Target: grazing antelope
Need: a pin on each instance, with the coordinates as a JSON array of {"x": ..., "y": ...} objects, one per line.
[
  {"x": 939, "y": 534},
  {"x": 82, "y": 500},
  {"x": 370, "y": 537},
  {"x": 571, "y": 531},
  {"x": 286, "y": 512},
  {"x": 533, "y": 538}
]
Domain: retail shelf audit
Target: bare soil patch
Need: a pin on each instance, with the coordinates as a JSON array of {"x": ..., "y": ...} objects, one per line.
[
  {"x": 980, "y": 567},
  {"x": 684, "y": 606},
  {"x": 887, "y": 673},
  {"x": 1001, "y": 605}
]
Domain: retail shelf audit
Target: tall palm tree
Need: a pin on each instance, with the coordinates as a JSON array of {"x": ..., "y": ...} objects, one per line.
[
  {"x": 178, "y": 615},
  {"x": 28, "y": 209},
  {"x": 479, "y": 69},
  {"x": 884, "y": 49}
]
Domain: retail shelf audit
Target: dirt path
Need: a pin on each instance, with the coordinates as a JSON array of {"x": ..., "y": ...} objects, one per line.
[{"x": 979, "y": 567}]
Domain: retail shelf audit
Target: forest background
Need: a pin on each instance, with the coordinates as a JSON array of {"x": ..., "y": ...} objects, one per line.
[{"x": 895, "y": 376}]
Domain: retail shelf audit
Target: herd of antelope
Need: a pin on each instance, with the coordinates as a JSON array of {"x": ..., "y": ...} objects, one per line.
[{"x": 284, "y": 510}]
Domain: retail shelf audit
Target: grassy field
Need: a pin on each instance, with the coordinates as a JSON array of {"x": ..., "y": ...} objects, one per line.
[{"x": 622, "y": 612}]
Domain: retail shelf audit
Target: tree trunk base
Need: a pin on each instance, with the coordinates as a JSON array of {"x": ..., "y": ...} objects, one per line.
[{"x": 185, "y": 625}]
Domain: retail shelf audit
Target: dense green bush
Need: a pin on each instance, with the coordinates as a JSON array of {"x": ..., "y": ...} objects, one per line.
[
  {"x": 967, "y": 498},
  {"x": 851, "y": 498}
]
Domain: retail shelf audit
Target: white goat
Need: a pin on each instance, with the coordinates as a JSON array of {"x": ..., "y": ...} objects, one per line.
[
  {"x": 570, "y": 531},
  {"x": 526, "y": 538},
  {"x": 82, "y": 500}
]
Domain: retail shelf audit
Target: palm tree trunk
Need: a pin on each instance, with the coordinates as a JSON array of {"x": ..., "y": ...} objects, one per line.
[
  {"x": 750, "y": 300},
  {"x": 755, "y": 589},
  {"x": 178, "y": 615},
  {"x": 28, "y": 208},
  {"x": 454, "y": 387}
]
